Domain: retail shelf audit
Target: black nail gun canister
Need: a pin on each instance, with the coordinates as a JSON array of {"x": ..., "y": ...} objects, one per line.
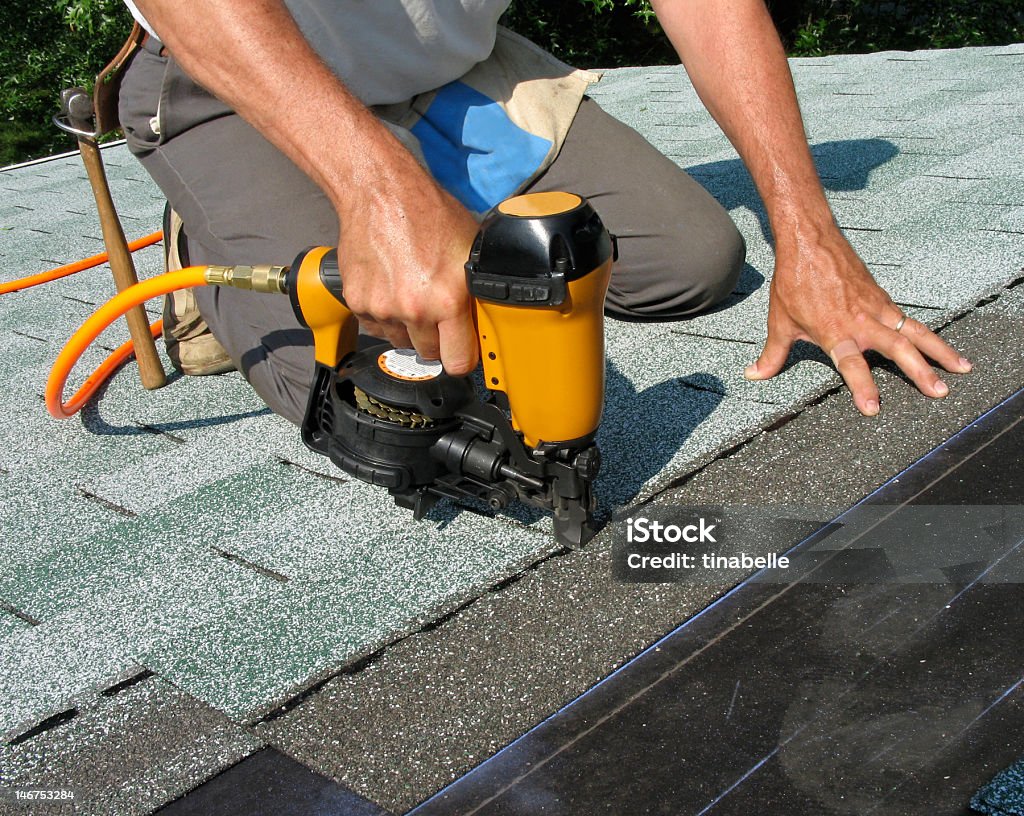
[{"x": 538, "y": 273}]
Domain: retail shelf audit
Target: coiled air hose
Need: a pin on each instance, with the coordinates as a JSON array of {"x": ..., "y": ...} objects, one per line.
[{"x": 259, "y": 278}]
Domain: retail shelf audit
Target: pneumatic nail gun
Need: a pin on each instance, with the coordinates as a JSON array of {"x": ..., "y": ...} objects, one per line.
[{"x": 538, "y": 273}]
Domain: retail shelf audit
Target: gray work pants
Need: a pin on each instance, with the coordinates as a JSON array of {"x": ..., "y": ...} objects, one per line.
[{"x": 242, "y": 201}]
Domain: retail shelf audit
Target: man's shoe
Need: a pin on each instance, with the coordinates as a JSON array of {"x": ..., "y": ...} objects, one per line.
[{"x": 190, "y": 344}]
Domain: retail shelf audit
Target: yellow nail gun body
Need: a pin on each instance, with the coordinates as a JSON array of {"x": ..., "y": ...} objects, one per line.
[{"x": 538, "y": 274}]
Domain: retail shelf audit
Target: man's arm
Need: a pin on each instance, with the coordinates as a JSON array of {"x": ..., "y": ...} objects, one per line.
[
  {"x": 821, "y": 291},
  {"x": 404, "y": 240}
]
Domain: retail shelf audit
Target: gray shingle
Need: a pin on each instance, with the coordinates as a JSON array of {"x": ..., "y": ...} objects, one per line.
[{"x": 131, "y": 752}]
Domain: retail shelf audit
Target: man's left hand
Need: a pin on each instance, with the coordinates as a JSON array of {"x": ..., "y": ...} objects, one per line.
[{"x": 822, "y": 292}]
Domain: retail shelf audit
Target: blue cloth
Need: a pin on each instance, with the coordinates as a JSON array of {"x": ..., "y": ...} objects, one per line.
[
  {"x": 1004, "y": 795},
  {"x": 474, "y": 150}
]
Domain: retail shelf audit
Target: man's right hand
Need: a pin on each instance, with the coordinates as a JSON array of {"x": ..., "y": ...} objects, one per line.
[{"x": 402, "y": 253}]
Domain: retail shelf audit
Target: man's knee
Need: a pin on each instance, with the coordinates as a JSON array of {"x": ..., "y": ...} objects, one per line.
[{"x": 682, "y": 277}]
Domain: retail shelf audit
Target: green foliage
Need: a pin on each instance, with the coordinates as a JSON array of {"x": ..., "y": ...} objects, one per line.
[
  {"x": 593, "y": 33},
  {"x": 817, "y": 27},
  {"x": 46, "y": 47},
  {"x": 610, "y": 33}
]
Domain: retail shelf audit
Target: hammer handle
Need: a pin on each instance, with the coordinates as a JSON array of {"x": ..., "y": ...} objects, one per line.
[{"x": 151, "y": 371}]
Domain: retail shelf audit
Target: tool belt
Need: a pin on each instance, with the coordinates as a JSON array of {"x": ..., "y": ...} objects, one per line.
[{"x": 108, "y": 82}]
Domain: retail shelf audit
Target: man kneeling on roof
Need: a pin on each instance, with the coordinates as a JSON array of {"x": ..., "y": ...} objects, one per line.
[{"x": 389, "y": 128}]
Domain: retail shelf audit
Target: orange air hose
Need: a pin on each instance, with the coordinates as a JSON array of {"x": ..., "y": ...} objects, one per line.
[
  {"x": 94, "y": 326},
  {"x": 77, "y": 266}
]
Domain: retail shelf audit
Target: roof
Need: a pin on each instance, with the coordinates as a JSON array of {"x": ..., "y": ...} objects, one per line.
[{"x": 185, "y": 540}]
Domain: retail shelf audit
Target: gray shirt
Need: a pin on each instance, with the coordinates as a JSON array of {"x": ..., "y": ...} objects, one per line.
[{"x": 388, "y": 51}]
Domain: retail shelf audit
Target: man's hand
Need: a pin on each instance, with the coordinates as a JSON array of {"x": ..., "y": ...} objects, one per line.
[
  {"x": 822, "y": 293},
  {"x": 401, "y": 255}
]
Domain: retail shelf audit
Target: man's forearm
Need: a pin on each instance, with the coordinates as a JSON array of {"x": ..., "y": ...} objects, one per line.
[
  {"x": 733, "y": 56},
  {"x": 250, "y": 54},
  {"x": 820, "y": 290}
]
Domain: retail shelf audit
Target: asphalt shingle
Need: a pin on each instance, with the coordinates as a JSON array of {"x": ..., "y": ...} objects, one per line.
[{"x": 127, "y": 752}]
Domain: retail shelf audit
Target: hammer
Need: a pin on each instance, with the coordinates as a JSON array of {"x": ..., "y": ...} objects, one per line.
[{"x": 76, "y": 117}]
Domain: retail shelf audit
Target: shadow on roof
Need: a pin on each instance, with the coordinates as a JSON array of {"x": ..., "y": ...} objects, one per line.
[{"x": 842, "y": 165}]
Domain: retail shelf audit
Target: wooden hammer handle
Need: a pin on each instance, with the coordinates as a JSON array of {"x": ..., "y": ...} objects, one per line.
[{"x": 151, "y": 371}]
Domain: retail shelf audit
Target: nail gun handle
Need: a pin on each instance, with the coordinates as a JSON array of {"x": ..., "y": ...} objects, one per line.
[{"x": 314, "y": 288}]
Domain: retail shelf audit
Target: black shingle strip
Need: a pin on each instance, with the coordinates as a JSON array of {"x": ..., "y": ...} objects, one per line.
[
  {"x": 29, "y": 336},
  {"x": 956, "y": 178},
  {"x": 6, "y": 607},
  {"x": 161, "y": 432},
  {"x": 79, "y": 300},
  {"x": 705, "y": 335},
  {"x": 297, "y": 466},
  {"x": 1003, "y": 231},
  {"x": 117, "y": 508},
  {"x": 271, "y": 782},
  {"x": 127, "y": 683},
  {"x": 46, "y": 725},
  {"x": 244, "y": 562}
]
